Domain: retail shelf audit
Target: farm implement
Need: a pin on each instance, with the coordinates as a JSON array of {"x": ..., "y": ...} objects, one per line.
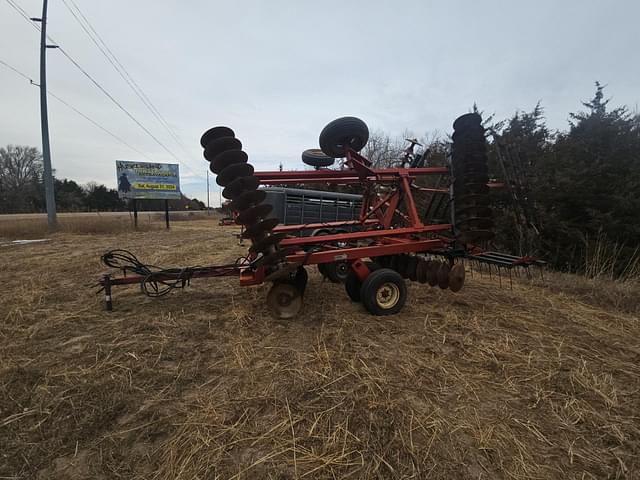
[{"x": 373, "y": 254}]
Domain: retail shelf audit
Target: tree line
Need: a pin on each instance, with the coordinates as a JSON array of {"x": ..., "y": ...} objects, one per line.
[
  {"x": 571, "y": 197},
  {"x": 22, "y": 189}
]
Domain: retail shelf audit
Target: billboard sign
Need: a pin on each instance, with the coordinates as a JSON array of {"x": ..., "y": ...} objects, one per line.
[{"x": 148, "y": 180}]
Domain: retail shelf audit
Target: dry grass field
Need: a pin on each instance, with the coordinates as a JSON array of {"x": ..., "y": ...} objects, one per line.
[
  {"x": 34, "y": 225},
  {"x": 538, "y": 382}
]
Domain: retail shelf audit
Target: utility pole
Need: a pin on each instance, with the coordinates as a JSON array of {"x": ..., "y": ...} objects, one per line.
[
  {"x": 208, "y": 209},
  {"x": 44, "y": 122}
]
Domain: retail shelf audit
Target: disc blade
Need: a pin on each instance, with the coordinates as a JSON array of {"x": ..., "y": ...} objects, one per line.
[
  {"x": 267, "y": 243},
  {"x": 474, "y": 236},
  {"x": 421, "y": 271},
  {"x": 282, "y": 272},
  {"x": 219, "y": 145},
  {"x": 239, "y": 186},
  {"x": 284, "y": 300},
  {"x": 248, "y": 199},
  {"x": 260, "y": 228},
  {"x": 468, "y": 120},
  {"x": 214, "y": 133},
  {"x": 225, "y": 159},
  {"x": 432, "y": 272},
  {"x": 474, "y": 211},
  {"x": 456, "y": 277},
  {"x": 443, "y": 275},
  {"x": 471, "y": 200},
  {"x": 253, "y": 214},
  {"x": 233, "y": 172},
  {"x": 474, "y": 223},
  {"x": 412, "y": 265}
]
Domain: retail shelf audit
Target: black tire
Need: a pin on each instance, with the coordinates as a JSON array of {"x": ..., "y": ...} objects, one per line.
[
  {"x": 342, "y": 133},
  {"x": 373, "y": 291},
  {"x": 352, "y": 283},
  {"x": 315, "y": 158},
  {"x": 336, "y": 272}
]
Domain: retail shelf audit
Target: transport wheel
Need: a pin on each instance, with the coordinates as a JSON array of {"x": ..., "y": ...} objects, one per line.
[
  {"x": 315, "y": 158},
  {"x": 336, "y": 272},
  {"x": 284, "y": 300},
  {"x": 342, "y": 133},
  {"x": 383, "y": 292},
  {"x": 352, "y": 283}
]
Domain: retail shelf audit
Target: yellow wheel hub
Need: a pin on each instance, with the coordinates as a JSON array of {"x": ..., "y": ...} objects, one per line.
[{"x": 387, "y": 295}]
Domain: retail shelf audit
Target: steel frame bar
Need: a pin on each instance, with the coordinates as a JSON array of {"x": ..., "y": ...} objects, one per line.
[
  {"x": 352, "y": 236},
  {"x": 345, "y": 176},
  {"x": 313, "y": 226}
]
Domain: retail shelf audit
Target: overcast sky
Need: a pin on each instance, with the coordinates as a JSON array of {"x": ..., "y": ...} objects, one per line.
[{"x": 278, "y": 71}]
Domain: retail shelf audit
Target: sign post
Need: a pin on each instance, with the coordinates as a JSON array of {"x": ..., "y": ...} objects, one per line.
[
  {"x": 135, "y": 213},
  {"x": 150, "y": 181}
]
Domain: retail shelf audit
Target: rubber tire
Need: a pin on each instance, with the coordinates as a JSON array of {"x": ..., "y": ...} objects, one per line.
[
  {"x": 370, "y": 288},
  {"x": 352, "y": 283},
  {"x": 333, "y": 273},
  {"x": 315, "y": 158},
  {"x": 341, "y": 133}
]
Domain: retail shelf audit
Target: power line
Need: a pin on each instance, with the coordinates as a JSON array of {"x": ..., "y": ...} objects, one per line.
[
  {"x": 23, "y": 14},
  {"x": 83, "y": 115},
  {"x": 120, "y": 68}
]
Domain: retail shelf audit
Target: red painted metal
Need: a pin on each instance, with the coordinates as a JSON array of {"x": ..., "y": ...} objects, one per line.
[{"x": 344, "y": 177}]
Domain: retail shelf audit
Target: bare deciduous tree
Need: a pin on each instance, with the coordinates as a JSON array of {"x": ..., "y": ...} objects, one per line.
[{"x": 20, "y": 177}]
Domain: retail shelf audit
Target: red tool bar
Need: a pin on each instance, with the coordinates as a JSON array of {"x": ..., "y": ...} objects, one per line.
[
  {"x": 346, "y": 237},
  {"x": 338, "y": 255},
  {"x": 344, "y": 176},
  {"x": 313, "y": 226}
]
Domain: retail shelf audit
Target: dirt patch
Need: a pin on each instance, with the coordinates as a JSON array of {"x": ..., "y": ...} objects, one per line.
[{"x": 488, "y": 383}]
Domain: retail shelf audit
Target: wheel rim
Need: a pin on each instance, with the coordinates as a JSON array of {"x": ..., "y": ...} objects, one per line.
[{"x": 388, "y": 295}]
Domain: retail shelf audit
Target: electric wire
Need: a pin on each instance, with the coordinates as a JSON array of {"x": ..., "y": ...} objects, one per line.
[
  {"x": 83, "y": 115},
  {"x": 23, "y": 14},
  {"x": 99, "y": 42}
]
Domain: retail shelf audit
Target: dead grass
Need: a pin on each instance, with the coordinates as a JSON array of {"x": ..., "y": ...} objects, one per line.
[
  {"x": 203, "y": 384},
  {"x": 35, "y": 225}
]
